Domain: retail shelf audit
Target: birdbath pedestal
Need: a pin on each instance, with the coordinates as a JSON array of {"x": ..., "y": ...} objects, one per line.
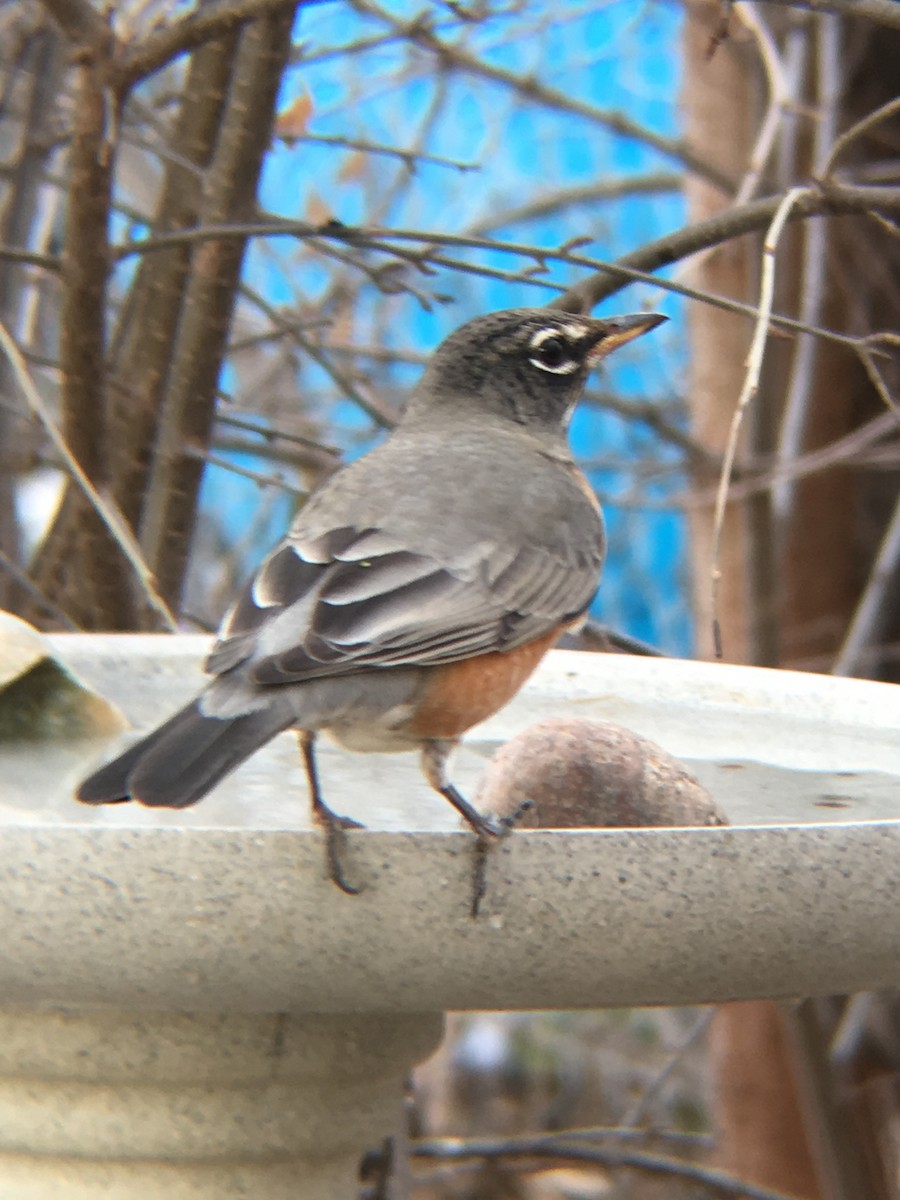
[{"x": 190, "y": 1009}]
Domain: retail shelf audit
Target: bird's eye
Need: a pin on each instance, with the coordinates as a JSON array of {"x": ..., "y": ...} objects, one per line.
[{"x": 553, "y": 352}]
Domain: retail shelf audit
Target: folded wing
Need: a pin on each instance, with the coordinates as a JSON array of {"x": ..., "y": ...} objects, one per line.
[{"x": 353, "y": 599}]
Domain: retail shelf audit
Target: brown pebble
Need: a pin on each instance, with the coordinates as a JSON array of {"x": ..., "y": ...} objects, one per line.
[{"x": 568, "y": 772}]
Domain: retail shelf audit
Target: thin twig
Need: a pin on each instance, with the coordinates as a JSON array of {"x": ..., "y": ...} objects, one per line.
[
  {"x": 637, "y": 1112},
  {"x": 812, "y": 288},
  {"x": 872, "y": 608},
  {"x": 852, "y": 448},
  {"x": 451, "y": 55},
  {"x": 263, "y": 481},
  {"x": 29, "y": 258},
  {"x": 850, "y": 135},
  {"x": 79, "y": 20},
  {"x": 608, "y": 278},
  {"x": 556, "y": 1146},
  {"x": 276, "y": 433},
  {"x": 583, "y": 194},
  {"x": 104, "y": 507},
  {"x": 27, "y": 584},
  {"x": 748, "y": 391},
  {"x": 204, "y": 24},
  {"x": 882, "y": 12},
  {"x": 779, "y": 98},
  {"x": 867, "y": 358},
  {"x": 410, "y": 158},
  {"x": 372, "y": 407},
  {"x": 652, "y": 414}
]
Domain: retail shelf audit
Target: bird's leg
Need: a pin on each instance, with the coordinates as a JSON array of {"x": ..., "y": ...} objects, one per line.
[
  {"x": 435, "y": 752},
  {"x": 333, "y": 825}
]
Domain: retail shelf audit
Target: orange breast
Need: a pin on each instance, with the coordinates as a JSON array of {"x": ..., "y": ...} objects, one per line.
[{"x": 458, "y": 696}]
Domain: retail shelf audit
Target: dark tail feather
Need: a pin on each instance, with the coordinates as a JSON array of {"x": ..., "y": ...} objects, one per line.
[
  {"x": 177, "y": 764},
  {"x": 109, "y": 785}
]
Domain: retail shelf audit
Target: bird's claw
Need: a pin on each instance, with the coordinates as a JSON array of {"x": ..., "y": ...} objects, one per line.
[{"x": 335, "y": 828}]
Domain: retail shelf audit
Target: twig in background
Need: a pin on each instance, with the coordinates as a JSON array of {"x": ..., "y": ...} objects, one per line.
[
  {"x": 871, "y": 611},
  {"x": 748, "y": 391},
  {"x": 637, "y": 1113},
  {"x": 264, "y": 481},
  {"x": 103, "y": 506},
  {"x": 372, "y": 407},
  {"x": 779, "y": 98},
  {"x": 882, "y": 12},
  {"x": 570, "y": 197},
  {"x": 608, "y": 278},
  {"x": 866, "y": 356},
  {"x": 532, "y": 90},
  {"x": 558, "y": 1147},
  {"x": 410, "y": 157},
  {"x": 884, "y": 113},
  {"x": 276, "y": 433},
  {"x": 799, "y": 391},
  {"x": 21, "y": 578}
]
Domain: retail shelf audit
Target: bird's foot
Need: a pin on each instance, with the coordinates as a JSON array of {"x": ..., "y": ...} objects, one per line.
[
  {"x": 335, "y": 828},
  {"x": 489, "y": 831}
]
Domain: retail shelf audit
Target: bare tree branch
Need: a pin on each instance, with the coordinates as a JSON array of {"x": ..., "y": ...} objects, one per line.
[
  {"x": 30, "y": 258},
  {"x": 884, "y": 113},
  {"x": 143, "y": 347},
  {"x": 23, "y": 583},
  {"x": 748, "y": 391},
  {"x": 40, "y": 64},
  {"x": 91, "y": 584},
  {"x": 209, "y": 21},
  {"x": 422, "y": 34},
  {"x": 733, "y": 223},
  {"x": 101, "y": 504},
  {"x": 872, "y": 610},
  {"x": 80, "y": 22},
  {"x": 608, "y": 278},
  {"x": 585, "y": 194},
  {"x": 556, "y": 1146},
  {"x": 188, "y": 411},
  {"x": 882, "y": 12}
]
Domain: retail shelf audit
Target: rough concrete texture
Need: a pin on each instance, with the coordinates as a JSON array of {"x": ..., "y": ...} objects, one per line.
[
  {"x": 176, "y": 1107},
  {"x": 122, "y": 915},
  {"x": 227, "y": 906}
]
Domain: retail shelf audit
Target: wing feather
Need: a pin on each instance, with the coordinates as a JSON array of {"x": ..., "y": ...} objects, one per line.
[{"x": 337, "y": 603}]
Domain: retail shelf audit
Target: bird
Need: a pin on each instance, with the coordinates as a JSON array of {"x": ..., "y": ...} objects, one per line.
[{"x": 418, "y": 587}]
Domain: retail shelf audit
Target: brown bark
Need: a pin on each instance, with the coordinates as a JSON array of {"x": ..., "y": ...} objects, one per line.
[
  {"x": 761, "y": 1129},
  {"x": 719, "y": 100},
  {"x": 763, "y": 1139},
  {"x": 144, "y": 340},
  {"x": 88, "y": 578},
  {"x": 188, "y": 409},
  {"x": 40, "y": 65}
]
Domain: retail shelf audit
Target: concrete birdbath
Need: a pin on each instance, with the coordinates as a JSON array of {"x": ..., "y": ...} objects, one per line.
[{"x": 191, "y": 1009}]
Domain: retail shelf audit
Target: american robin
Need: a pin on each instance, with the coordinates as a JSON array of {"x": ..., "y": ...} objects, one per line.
[{"x": 419, "y": 586}]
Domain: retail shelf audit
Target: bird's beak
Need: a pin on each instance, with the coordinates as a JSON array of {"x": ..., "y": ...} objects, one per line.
[{"x": 619, "y": 330}]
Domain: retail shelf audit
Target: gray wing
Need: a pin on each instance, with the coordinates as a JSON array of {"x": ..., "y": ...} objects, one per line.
[{"x": 349, "y": 599}]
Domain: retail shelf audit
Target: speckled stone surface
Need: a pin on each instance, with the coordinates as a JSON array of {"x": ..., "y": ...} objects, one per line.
[
  {"x": 143, "y": 1106},
  {"x": 225, "y": 906},
  {"x": 205, "y": 919}
]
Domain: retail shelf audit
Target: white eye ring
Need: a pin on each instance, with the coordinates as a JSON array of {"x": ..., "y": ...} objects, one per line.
[
  {"x": 565, "y": 368},
  {"x": 567, "y": 365}
]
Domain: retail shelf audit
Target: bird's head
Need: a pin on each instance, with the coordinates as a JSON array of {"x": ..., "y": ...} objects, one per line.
[{"x": 529, "y": 365}]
